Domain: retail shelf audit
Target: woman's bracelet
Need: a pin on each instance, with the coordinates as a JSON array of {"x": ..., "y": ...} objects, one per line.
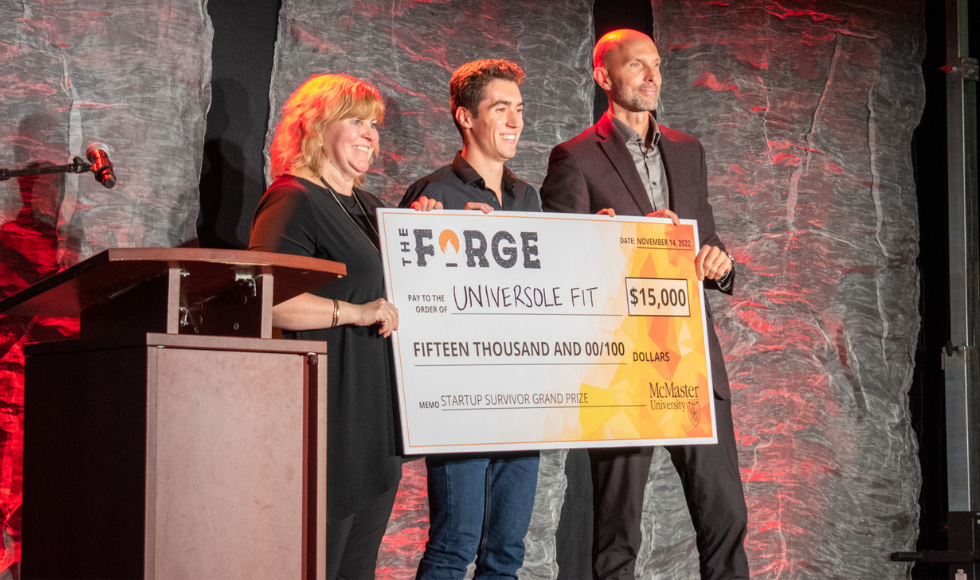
[{"x": 336, "y": 313}]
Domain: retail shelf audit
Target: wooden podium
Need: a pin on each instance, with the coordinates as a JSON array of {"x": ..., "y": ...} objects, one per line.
[{"x": 175, "y": 438}]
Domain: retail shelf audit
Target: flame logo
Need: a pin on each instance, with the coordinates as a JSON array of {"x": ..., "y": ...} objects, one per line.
[{"x": 448, "y": 237}]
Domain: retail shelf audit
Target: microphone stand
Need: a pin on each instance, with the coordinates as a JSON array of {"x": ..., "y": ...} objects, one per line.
[{"x": 78, "y": 165}]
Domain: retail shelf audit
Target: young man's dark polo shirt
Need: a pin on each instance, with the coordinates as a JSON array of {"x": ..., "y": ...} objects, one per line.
[{"x": 457, "y": 184}]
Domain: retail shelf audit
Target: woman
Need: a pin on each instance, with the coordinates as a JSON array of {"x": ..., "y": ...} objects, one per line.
[{"x": 324, "y": 143}]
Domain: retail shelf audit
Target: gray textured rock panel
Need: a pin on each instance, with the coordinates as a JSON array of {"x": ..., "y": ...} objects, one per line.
[
  {"x": 134, "y": 75},
  {"x": 409, "y": 51},
  {"x": 807, "y": 117}
]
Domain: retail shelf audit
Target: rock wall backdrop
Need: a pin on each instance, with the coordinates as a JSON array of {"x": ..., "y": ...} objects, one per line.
[
  {"x": 133, "y": 74},
  {"x": 806, "y": 111},
  {"x": 805, "y": 108}
]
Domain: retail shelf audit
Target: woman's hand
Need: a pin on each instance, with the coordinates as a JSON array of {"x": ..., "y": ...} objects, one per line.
[
  {"x": 378, "y": 311},
  {"x": 426, "y": 204},
  {"x": 308, "y": 312}
]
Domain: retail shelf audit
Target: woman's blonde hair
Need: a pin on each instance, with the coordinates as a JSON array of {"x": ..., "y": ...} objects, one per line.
[{"x": 320, "y": 100}]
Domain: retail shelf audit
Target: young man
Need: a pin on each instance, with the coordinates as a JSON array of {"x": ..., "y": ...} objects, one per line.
[
  {"x": 629, "y": 163},
  {"x": 480, "y": 504}
]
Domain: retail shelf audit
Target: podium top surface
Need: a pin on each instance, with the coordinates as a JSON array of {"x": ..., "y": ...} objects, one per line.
[{"x": 204, "y": 272}]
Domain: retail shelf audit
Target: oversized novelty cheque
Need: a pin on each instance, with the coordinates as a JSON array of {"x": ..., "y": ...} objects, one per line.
[{"x": 542, "y": 331}]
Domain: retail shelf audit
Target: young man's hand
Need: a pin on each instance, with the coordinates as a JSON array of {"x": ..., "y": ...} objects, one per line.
[{"x": 477, "y": 206}]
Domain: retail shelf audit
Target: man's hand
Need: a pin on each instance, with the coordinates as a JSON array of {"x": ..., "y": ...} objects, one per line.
[
  {"x": 476, "y": 206},
  {"x": 608, "y": 211},
  {"x": 426, "y": 204},
  {"x": 667, "y": 214},
  {"x": 711, "y": 263}
]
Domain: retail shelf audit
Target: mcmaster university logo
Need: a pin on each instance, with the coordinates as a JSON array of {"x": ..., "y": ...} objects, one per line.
[
  {"x": 670, "y": 396},
  {"x": 694, "y": 412}
]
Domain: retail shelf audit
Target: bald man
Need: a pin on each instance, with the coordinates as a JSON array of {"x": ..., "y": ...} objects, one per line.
[{"x": 629, "y": 163}]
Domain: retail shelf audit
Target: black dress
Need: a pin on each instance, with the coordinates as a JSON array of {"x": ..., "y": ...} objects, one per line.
[{"x": 296, "y": 216}]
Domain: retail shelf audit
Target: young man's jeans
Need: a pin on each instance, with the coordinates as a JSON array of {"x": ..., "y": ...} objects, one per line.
[{"x": 479, "y": 507}]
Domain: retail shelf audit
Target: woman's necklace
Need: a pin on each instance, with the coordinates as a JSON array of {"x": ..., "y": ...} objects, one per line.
[{"x": 359, "y": 227}]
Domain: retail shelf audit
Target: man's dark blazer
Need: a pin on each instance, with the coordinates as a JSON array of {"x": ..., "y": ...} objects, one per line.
[{"x": 595, "y": 171}]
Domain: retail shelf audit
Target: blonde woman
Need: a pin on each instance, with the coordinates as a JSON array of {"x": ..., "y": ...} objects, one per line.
[{"x": 323, "y": 145}]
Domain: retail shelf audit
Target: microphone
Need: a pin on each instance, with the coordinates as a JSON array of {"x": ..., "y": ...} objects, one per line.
[{"x": 98, "y": 155}]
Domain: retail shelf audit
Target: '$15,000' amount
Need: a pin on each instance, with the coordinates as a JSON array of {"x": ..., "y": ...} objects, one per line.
[{"x": 657, "y": 297}]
